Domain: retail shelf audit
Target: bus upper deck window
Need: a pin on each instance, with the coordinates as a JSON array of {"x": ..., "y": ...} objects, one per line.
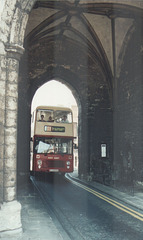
[
  {"x": 63, "y": 116},
  {"x": 45, "y": 115}
]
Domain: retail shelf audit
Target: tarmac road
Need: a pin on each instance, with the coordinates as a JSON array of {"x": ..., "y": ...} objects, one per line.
[{"x": 83, "y": 215}]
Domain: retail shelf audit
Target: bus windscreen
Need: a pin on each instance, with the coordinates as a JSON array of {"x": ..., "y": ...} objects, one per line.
[{"x": 53, "y": 145}]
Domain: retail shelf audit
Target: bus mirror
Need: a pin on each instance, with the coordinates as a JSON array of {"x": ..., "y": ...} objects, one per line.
[{"x": 31, "y": 140}]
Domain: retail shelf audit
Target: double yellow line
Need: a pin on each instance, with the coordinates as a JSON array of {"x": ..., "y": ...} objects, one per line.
[{"x": 116, "y": 204}]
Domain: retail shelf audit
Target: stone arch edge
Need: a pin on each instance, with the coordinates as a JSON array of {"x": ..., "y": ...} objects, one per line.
[{"x": 14, "y": 17}]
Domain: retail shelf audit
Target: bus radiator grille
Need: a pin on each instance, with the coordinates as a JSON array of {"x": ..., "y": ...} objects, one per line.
[{"x": 56, "y": 164}]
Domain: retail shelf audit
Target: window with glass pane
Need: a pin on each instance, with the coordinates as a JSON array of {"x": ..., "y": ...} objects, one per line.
[
  {"x": 53, "y": 145},
  {"x": 45, "y": 115},
  {"x": 63, "y": 116}
]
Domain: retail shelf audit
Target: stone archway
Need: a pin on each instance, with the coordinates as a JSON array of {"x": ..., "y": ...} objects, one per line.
[
  {"x": 24, "y": 114},
  {"x": 57, "y": 92},
  {"x": 14, "y": 16}
]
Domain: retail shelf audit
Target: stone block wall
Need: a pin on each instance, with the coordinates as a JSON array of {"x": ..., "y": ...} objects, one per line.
[
  {"x": 129, "y": 110},
  {"x": 13, "y": 18}
]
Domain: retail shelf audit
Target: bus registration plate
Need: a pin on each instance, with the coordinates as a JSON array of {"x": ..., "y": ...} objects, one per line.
[{"x": 53, "y": 170}]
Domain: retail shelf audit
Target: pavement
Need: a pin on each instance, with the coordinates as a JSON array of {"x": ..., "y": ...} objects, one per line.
[
  {"x": 37, "y": 223},
  {"x": 134, "y": 197}
]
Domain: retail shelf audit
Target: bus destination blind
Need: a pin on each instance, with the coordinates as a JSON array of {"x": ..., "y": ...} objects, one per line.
[{"x": 54, "y": 129}]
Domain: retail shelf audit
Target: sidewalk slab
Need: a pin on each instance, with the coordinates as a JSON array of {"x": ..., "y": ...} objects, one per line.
[{"x": 36, "y": 222}]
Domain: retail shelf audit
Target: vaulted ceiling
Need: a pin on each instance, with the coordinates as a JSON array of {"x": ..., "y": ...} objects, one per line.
[{"x": 99, "y": 25}]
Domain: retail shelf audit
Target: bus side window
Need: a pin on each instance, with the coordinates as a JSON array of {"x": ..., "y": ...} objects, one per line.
[
  {"x": 69, "y": 117},
  {"x": 32, "y": 117},
  {"x": 37, "y": 116}
]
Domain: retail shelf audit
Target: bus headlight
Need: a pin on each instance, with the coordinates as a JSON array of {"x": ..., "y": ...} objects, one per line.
[
  {"x": 68, "y": 162},
  {"x": 39, "y": 163}
]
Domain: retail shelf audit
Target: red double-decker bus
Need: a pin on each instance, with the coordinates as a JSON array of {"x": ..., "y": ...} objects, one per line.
[{"x": 52, "y": 140}]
